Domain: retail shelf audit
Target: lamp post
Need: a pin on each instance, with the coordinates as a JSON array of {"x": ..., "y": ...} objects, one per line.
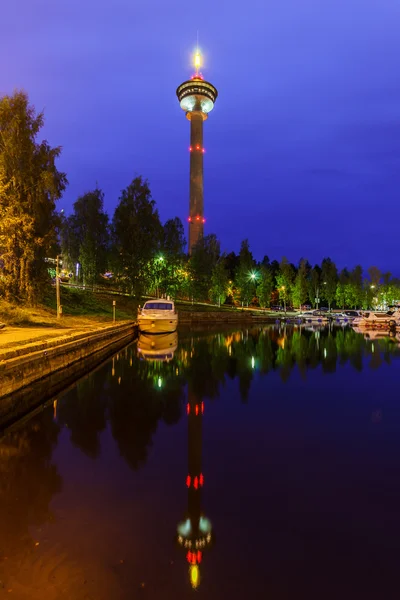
[
  {"x": 58, "y": 298},
  {"x": 284, "y": 296}
]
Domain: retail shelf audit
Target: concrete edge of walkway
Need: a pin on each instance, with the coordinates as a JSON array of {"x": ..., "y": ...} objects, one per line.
[
  {"x": 63, "y": 338},
  {"x": 28, "y": 380}
]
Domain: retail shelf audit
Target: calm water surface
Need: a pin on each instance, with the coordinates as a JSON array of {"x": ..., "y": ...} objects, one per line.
[{"x": 257, "y": 463}]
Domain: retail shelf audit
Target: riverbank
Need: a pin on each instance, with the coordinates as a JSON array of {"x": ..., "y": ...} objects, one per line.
[
  {"x": 33, "y": 372},
  {"x": 237, "y": 316}
]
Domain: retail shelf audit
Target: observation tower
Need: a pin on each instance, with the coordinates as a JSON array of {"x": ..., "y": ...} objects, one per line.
[{"x": 196, "y": 97}]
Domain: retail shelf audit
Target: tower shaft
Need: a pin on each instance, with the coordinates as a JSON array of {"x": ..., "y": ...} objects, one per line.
[{"x": 196, "y": 226}]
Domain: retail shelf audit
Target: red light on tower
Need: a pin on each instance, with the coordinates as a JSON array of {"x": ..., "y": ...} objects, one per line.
[
  {"x": 188, "y": 408},
  {"x": 203, "y": 220},
  {"x": 188, "y": 480},
  {"x": 196, "y": 483},
  {"x": 190, "y": 148},
  {"x": 197, "y": 147},
  {"x": 203, "y": 151}
]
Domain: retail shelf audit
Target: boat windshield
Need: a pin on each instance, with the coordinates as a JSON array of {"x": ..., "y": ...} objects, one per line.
[{"x": 157, "y": 306}]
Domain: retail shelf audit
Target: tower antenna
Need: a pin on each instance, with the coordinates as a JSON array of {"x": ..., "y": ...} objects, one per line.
[{"x": 197, "y": 59}]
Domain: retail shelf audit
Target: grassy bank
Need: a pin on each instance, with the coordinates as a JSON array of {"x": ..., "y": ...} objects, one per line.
[
  {"x": 83, "y": 308},
  {"x": 80, "y": 309}
]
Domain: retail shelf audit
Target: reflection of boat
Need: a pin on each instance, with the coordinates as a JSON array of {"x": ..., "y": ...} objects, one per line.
[
  {"x": 160, "y": 347},
  {"x": 371, "y": 319},
  {"x": 313, "y": 316},
  {"x": 158, "y": 316},
  {"x": 378, "y": 334}
]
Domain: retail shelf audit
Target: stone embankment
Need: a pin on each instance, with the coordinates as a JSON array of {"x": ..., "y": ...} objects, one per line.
[
  {"x": 222, "y": 317},
  {"x": 31, "y": 374}
]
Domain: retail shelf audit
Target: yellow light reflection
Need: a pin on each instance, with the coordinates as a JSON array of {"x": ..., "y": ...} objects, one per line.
[{"x": 194, "y": 573}]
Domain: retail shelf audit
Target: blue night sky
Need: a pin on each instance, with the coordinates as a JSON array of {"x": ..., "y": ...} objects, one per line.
[{"x": 302, "y": 148}]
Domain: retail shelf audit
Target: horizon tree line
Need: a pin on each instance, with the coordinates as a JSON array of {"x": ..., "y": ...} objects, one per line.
[{"x": 144, "y": 255}]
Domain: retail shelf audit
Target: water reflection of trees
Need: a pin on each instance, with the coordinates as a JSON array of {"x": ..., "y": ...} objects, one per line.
[
  {"x": 28, "y": 481},
  {"x": 134, "y": 394}
]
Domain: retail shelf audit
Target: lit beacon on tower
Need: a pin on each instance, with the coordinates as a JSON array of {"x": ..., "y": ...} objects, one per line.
[{"x": 197, "y": 98}]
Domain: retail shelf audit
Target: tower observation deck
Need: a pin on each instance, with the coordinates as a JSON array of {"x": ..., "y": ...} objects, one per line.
[{"x": 196, "y": 97}]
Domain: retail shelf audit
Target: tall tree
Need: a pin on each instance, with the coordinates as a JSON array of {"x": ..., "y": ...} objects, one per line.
[
  {"x": 219, "y": 282},
  {"x": 85, "y": 237},
  {"x": 30, "y": 185},
  {"x": 246, "y": 277},
  {"x": 167, "y": 268},
  {"x": 375, "y": 276},
  {"x": 354, "y": 288},
  {"x": 265, "y": 285},
  {"x": 136, "y": 235},
  {"x": 341, "y": 289},
  {"x": 204, "y": 257},
  {"x": 329, "y": 276},
  {"x": 300, "y": 291},
  {"x": 232, "y": 262},
  {"x": 314, "y": 285},
  {"x": 284, "y": 281},
  {"x": 173, "y": 238}
]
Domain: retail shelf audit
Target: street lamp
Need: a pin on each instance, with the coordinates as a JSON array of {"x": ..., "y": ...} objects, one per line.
[
  {"x": 282, "y": 288},
  {"x": 58, "y": 298}
]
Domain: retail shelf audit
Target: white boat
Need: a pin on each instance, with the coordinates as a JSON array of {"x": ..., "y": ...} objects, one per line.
[
  {"x": 372, "y": 319},
  {"x": 313, "y": 316},
  {"x": 157, "y": 347},
  {"x": 158, "y": 316},
  {"x": 345, "y": 317}
]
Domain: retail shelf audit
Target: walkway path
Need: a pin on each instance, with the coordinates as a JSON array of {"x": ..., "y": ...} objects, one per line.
[{"x": 12, "y": 337}]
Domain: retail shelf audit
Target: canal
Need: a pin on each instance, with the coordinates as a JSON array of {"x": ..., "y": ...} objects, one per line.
[{"x": 254, "y": 463}]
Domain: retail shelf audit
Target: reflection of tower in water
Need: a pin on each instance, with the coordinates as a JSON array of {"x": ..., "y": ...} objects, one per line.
[{"x": 194, "y": 534}]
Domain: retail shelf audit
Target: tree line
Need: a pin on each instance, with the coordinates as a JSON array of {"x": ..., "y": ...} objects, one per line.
[
  {"x": 148, "y": 257},
  {"x": 143, "y": 255}
]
